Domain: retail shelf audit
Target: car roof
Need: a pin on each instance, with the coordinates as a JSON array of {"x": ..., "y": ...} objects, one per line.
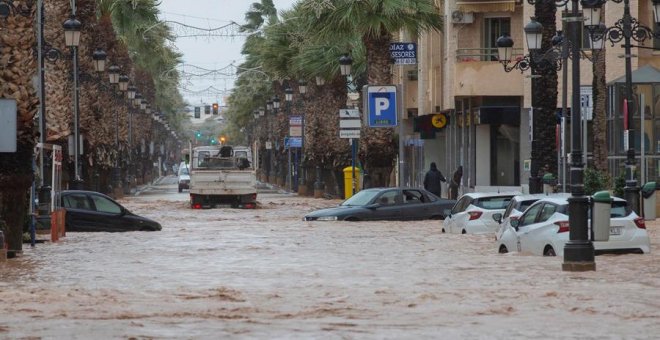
[
  {"x": 564, "y": 199},
  {"x": 525, "y": 197},
  {"x": 490, "y": 194}
]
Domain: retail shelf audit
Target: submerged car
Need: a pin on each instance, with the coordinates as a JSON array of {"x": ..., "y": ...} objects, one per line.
[
  {"x": 94, "y": 211},
  {"x": 477, "y": 213},
  {"x": 386, "y": 204},
  {"x": 543, "y": 229}
]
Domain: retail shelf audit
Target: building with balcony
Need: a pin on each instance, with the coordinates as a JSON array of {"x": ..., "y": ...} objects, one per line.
[{"x": 489, "y": 110}]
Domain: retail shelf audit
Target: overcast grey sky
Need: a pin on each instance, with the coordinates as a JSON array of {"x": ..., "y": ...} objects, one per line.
[{"x": 210, "y": 53}]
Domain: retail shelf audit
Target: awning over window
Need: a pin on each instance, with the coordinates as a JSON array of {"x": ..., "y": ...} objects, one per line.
[{"x": 486, "y": 5}]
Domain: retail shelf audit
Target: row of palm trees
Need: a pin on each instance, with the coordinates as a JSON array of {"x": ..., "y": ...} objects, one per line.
[
  {"x": 305, "y": 43},
  {"x": 134, "y": 40}
]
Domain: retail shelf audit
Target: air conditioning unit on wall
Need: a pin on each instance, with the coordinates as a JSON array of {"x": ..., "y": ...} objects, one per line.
[{"x": 460, "y": 17}]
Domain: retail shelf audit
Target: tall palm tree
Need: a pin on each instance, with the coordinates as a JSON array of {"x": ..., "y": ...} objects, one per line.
[
  {"x": 17, "y": 69},
  {"x": 375, "y": 22},
  {"x": 544, "y": 102},
  {"x": 599, "y": 134}
]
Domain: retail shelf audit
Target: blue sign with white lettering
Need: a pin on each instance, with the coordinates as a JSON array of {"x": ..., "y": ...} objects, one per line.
[
  {"x": 292, "y": 142},
  {"x": 381, "y": 106},
  {"x": 404, "y": 53}
]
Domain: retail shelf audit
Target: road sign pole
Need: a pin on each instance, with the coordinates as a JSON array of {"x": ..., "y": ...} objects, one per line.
[
  {"x": 401, "y": 141},
  {"x": 353, "y": 144},
  {"x": 288, "y": 176}
]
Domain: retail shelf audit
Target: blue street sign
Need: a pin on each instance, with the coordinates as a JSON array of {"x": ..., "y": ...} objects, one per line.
[
  {"x": 381, "y": 106},
  {"x": 293, "y": 142},
  {"x": 404, "y": 53}
]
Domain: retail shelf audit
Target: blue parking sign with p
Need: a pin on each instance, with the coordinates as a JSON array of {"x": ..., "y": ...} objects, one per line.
[{"x": 382, "y": 106}]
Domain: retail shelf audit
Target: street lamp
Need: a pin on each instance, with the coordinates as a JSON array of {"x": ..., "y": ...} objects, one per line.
[
  {"x": 130, "y": 92},
  {"x": 579, "y": 250},
  {"x": 627, "y": 29},
  {"x": 320, "y": 81},
  {"x": 72, "y": 39},
  {"x": 123, "y": 83},
  {"x": 345, "y": 62},
  {"x": 99, "y": 56},
  {"x": 302, "y": 86},
  {"x": 288, "y": 94},
  {"x": 113, "y": 74},
  {"x": 276, "y": 103}
]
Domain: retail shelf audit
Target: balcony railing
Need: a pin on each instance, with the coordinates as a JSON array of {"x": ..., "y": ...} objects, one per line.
[{"x": 483, "y": 54}]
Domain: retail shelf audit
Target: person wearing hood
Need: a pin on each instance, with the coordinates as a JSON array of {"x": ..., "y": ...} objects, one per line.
[{"x": 432, "y": 180}]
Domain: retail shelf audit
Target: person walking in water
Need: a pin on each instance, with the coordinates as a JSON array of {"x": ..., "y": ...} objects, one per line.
[{"x": 432, "y": 180}]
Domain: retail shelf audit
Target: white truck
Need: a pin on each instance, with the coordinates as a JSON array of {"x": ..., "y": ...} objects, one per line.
[{"x": 222, "y": 177}]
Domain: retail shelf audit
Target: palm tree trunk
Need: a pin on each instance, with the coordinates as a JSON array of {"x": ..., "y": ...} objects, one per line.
[
  {"x": 378, "y": 148},
  {"x": 18, "y": 66},
  {"x": 544, "y": 101},
  {"x": 599, "y": 116}
]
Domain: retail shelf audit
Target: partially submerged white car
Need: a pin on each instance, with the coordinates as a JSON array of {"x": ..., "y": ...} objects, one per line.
[
  {"x": 474, "y": 213},
  {"x": 543, "y": 229}
]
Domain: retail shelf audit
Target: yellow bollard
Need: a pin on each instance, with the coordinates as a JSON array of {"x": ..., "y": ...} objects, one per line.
[{"x": 348, "y": 181}]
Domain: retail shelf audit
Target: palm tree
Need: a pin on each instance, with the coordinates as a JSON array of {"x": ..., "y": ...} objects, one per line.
[
  {"x": 374, "y": 22},
  {"x": 599, "y": 134},
  {"x": 544, "y": 102},
  {"x": 17, "y": 69}
]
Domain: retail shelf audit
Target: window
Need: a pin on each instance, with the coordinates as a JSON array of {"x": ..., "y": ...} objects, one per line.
[
  {"x": 412, "y": 196},
  {"x": 461, "y": 205},
  {"x": 529, "y": 217},
  {"x": 547, "y": 212},
  {"x": 77, "y": 201},
  {"x": 105, "y": 205},
  {"x": 493, "y": 29},
  {"x": 388, "y": 197},
  {"x": 493, "y": 202}
]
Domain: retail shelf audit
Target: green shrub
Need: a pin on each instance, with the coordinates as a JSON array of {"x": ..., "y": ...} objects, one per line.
[
  {"x": 619, "y": 184},
  {"x": 595, "y": 181}
]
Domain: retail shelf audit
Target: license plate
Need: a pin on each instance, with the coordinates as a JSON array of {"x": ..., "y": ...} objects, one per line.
[{"x": 615, "y": 230}]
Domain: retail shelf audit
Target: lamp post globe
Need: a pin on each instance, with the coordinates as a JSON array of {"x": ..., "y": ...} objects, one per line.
[
  {"x": 99, "y": 56},
  {"x": 302, "y": 86},
  {"x": 534, "y": 34},
  {"x": 504, "y": 47},
  {"x": 113, "y": 74},
  {"x": 123, "y": 83},
  {"x": 288, "y": 94},
  {"x": 72, "y": 31},
  {"x": 345, "y": 62}
]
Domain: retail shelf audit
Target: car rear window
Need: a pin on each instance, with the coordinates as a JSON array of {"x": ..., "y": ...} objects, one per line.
[
  {"x": 499, "y": 202},
  {"x": 620, "y": 209}
]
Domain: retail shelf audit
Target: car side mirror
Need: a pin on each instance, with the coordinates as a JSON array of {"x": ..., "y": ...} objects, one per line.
[
  {"x": 515, "y": 224},
  {"x": 372, "y": 206},
  {"x": 497, "y": 217}
]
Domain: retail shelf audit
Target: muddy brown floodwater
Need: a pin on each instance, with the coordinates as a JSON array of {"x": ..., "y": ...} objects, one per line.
[{"x": 266, "y": 274}]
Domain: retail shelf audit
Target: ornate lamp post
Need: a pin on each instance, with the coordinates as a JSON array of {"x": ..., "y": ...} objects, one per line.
[
  {"x": 627, "y": 29},
  {"x": 72, "y": 39},
  {"x": 579, "y": 250}
]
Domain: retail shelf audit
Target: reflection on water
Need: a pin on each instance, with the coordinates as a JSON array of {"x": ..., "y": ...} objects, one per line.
[{"x": 264, "y": 273}]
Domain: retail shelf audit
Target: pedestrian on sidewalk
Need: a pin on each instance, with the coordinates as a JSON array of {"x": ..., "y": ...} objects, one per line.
[{"x": 432, "y": 180}]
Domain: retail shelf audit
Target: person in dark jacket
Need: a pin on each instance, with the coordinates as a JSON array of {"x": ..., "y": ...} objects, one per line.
[{"x": 432, "y": 180}]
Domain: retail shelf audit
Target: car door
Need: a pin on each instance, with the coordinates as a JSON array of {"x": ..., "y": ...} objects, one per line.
[
  {"x": 389, "y": 205},
  {"x": 112, "y": 216},
  {"x": 415, "y": 205},
  {"x": 80, "y": 214},
  {"x": 527, "y": 222},
  {"x": 458, "y": 216},
  {"x": 534, "y": 237}
]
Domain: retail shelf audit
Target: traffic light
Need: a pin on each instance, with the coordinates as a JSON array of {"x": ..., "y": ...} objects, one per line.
[
  {"x": 215, "y": 108},
  {"x": 198, "y": 134},
  {"x": 213, "y": 141},
  {"x": 222, "y": 140}
]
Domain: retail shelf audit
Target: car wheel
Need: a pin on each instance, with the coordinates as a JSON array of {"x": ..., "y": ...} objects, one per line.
[
  {"x": 503, "y": 249},
  {"x": 549, "y": 251}
]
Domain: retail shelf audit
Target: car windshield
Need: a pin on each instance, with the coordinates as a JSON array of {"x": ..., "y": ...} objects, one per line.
[{"x": 361, "y": 198}]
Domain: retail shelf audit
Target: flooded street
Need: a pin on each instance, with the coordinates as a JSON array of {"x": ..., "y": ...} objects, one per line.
[{"x": 264, "y": 273}]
